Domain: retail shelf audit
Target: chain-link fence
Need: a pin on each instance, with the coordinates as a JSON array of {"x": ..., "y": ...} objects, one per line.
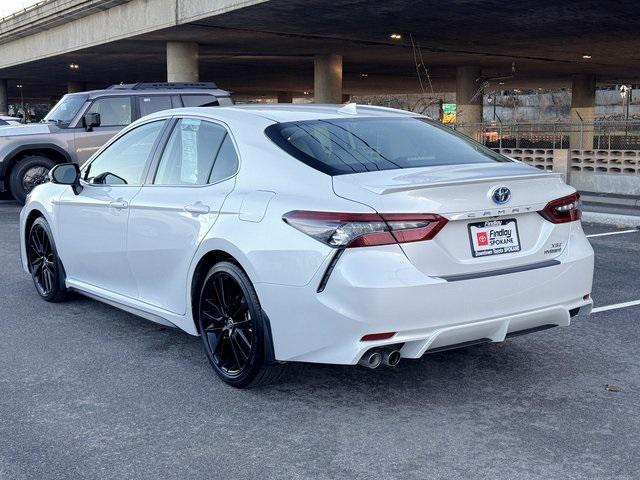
[{"x": 617, "y": 135}]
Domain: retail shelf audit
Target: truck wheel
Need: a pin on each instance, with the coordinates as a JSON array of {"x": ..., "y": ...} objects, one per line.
[{"x": 27, "y": 174}]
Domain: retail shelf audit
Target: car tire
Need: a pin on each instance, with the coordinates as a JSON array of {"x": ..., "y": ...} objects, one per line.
[
  {"x": 234, "y": 329},
  {"x": 45, "y": 266},
  {"x": 27, "y": 174}
]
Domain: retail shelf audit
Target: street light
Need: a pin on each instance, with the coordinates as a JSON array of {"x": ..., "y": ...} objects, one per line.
[
  {"x": 625, "y": 93},
  {"x": 24, "y": 113}
]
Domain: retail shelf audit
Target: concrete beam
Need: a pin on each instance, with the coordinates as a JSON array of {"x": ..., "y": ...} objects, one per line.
[
  {"x": 47, "y": 15},
  {"x": 327, "y": 79},
  {"x": 4, "y": 99},
  {"x": 98, "y": 26},
  {"x": 182, "y": 62}
]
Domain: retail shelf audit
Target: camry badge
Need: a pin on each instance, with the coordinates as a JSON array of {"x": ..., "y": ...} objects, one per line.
[{"x": 501, "y": 195}]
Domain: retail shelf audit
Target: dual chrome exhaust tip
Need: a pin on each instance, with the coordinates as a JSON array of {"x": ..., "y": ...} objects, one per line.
[{"x": 380, "y": 356}]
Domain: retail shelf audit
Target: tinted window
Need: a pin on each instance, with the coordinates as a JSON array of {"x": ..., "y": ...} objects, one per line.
[
  {"x": 190, "y": 153},
  {"x": 114, "y": 111},
  {"x": 2, "y": 122},
  {"x": 226, "y": 162},
  {"x": 199, "y": 101},
  {"x": 355, "y": 145},
  {"x": 154, "y": 103},
  {"x": 123, "y": 162}
]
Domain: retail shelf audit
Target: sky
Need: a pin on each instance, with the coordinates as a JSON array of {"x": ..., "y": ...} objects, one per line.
[{"x": 7, "y": 7}]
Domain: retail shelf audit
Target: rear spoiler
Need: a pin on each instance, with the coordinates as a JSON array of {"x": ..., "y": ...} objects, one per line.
[{"x": 385, "y": 189}]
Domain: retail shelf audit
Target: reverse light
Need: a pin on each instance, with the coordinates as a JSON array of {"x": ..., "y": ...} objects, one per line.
[
  {"x": 340, "y": 230},
  {"x": 563, "y": 210}
]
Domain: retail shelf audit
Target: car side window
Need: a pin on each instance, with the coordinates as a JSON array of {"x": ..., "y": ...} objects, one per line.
[
  {"x": 226, "y": 163},
  {"x": 190, "y": 156},
  {"x": 154, "y": 103},
  {"x": 200, "y": 101},
  {"x": 114, "y": 111},
  {"x": 123, "y": 162}
]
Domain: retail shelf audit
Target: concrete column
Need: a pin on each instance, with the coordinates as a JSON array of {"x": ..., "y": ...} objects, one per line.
[
  {"x": 4, "y": 97},
  {"x": 327, "y": 79},
  {"x": 468, "y": 100},
  {"x": 74, "y": 87},
  {"x": 285, "y": 97},
  {"x": 583, "y": 109},
  {"x": 182, "y": 62},
  {"x": 562, "y": 163}
]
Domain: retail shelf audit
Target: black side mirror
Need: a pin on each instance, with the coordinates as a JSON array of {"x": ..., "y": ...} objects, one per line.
[
  {"x": 91, "y": 120},
  {"x": 66, "y": 174}
]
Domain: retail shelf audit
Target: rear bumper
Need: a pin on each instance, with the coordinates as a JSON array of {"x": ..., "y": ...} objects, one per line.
[{"x": 377, "y": 289}]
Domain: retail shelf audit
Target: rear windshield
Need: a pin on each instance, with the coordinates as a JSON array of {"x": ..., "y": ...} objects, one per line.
[{"x": 354, "y": 145}]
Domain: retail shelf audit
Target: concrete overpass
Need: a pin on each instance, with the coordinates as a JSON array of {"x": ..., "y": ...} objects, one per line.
[{"x": 328, "y": 49}]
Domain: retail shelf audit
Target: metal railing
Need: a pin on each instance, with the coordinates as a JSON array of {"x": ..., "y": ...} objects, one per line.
[{"x": 609, "y": 134}]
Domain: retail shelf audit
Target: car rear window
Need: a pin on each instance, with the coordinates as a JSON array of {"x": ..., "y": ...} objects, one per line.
[
  {"x": 199, "y": 101},
  {"x": 354, "y": 145}
]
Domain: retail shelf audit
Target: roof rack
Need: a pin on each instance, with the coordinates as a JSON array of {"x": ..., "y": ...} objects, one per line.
[{"x": 165, "y": 86}]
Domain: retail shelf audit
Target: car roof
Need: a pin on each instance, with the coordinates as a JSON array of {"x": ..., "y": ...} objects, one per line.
[{"x": 290, "y": 112}]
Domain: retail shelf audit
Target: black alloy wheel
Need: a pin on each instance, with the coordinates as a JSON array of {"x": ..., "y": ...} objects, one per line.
[
  {"x": 45, "y": 266},
  {"x": 33, "y": 177},
  {"x": 27, "y": 174},
  {"x": 233, "y": 329}
]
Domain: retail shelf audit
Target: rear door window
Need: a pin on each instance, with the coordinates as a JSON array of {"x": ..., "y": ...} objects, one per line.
[
  {"x": 192, "y": 150},
  {"x": 365, "y": 144},
  {"x": 199, "y": 101},
  {"x": 154, "y": 103}
]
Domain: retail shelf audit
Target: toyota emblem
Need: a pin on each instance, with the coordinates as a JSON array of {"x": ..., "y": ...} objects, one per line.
[{"x": 501, "y": 195}]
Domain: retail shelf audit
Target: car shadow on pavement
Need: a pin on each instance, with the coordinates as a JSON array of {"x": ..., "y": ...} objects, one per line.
[{"x": 502, "y": 369}]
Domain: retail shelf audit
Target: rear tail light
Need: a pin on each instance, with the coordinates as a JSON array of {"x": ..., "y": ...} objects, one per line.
[
  {"x": 341, "y": 230},
  {"x": 372, "y": 337},
  {"x": 563, "y": 210}
]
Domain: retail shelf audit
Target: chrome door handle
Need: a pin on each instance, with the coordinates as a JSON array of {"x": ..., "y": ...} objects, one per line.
[
  {"x": 197, "y": 208},
  {"x": 119, "y": 204}
]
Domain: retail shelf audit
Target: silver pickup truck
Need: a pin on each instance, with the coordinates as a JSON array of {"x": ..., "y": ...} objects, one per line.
[{"x": 80, "y": 123}]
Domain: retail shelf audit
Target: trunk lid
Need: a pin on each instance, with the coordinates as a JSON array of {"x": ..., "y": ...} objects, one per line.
[{"x": 463, "y": 195}]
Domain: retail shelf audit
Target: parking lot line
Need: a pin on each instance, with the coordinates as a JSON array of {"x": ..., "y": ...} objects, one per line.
[
  {"x": 615, "y": 306},
  {"x": 634, "y": 230}
]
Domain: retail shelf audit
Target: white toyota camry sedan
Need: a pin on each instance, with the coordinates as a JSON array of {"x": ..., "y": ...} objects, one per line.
[{"x": 332, "y": 234}]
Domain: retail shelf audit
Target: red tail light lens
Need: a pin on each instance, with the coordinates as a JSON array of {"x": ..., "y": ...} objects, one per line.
[
  {"x": 372, "y": 337},
  {"x": 563, "y": 210},
  {"x": 341, "y": 230}
]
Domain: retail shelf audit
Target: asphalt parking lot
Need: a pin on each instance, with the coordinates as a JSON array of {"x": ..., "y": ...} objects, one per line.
[{"x": 89, "y": 391}]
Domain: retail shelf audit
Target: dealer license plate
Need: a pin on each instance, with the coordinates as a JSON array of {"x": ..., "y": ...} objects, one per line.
[{"x": 494, "y": 237}]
